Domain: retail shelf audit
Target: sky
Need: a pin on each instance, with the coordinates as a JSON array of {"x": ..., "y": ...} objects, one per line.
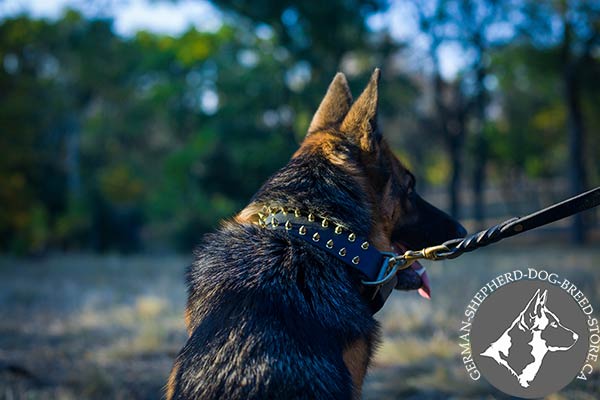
[
  {"x": 173, "y": 18},
  {"x": 129, "y": 15}
]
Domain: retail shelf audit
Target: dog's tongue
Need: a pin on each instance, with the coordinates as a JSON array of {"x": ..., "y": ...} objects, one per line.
[{"x": 425, "y": 289}]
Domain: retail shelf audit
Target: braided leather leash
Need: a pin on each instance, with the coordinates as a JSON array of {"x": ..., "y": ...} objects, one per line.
[{"x": 514, "y": 226}]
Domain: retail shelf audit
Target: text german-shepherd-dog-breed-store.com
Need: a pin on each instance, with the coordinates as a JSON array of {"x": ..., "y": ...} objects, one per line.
[{"x": 277, "y": 302}]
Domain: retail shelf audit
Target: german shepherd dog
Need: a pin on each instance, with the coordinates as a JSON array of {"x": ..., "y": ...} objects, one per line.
[
  {"x": 270, "y": 316},
  {"x": 536, "y": 331}
]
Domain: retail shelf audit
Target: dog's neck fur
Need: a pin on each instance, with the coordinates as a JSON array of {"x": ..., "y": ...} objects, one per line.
[
  {"x": 539, "y": 350},
  {"x": 500, "y": 350},
  {"x": 314, "y": 177}
]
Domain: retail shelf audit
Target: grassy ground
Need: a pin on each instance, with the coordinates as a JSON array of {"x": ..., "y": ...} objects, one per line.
[{"x": 79, "y": 327}]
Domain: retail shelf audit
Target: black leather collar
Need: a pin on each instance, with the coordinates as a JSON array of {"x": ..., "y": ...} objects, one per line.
[{"x": 379, "y": 275}]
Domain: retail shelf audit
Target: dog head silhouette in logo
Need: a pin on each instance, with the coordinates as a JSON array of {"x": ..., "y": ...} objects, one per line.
[{"x": 534, "y": 333}]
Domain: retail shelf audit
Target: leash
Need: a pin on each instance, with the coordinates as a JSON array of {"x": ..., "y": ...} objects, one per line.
[
  {"x": 379, "y": 269},
  {"x": 456, "y": 247}
]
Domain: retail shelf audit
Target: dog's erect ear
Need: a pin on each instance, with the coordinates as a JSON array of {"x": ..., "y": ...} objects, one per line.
[
  {"x": 334, "y": 106},
  {"x": 529, "y": 312},
  {"x": 540, "y": 302},
  {"x": 537, "y": 304},
  {"x": 361, "y": 121}
]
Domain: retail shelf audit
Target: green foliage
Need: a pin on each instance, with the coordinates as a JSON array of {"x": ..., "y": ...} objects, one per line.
[
  {"x": 115, "y": 143},
  {"x": 529, "y": 135},
  {"x": 111, "y": 143}
]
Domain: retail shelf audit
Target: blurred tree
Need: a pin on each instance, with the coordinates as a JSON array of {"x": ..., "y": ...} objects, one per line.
[
  {"x": 450, "y": 104},
  {"x": 33, "y": 107},
  {"x": 479, "y": 27},
  {"x": 104, "y": 133},
  {"x": 477, "y": 23},
  {"x": 527, "y": 135},
  {"x": 576, "y": 50},
  {"x": 314, "y": 40},
  {"x": 57, "y": 77},
  {"x": 574, "y": 27},
  {"x": 320, "y": 33},
  {"x": 115, "y": 143}
]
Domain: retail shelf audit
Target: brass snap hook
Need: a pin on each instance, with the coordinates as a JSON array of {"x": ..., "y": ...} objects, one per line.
[{"x": 435, "y": 253}]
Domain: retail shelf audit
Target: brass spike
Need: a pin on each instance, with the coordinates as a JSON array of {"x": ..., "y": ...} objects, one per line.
[
  {"x": 262, "y": 223},
  {"x": 351, "y": 237},
  {"x": 325, "y": 223},
  {"x": 297, "y": 213},
  {"x": 316, "y": 237},
  {"x": 261, "y": 215},
  {"x": 329, "y": 244},
  {"x": 338, "y": 230},
  {"x": 288, "y": 225},
  {"x": 365, "y": 245},
  {"x": 274, "y": 222},
  {"x": 342, "y": 251},
  {"x": 356, "y": 260},
  {"x": 302, "y": 230},
  {"x": 311, "y": 217},
  {"x": 283, "y": 211}
]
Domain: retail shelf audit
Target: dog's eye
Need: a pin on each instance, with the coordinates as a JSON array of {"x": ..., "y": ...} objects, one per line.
[{"x": 554, "y": 325}]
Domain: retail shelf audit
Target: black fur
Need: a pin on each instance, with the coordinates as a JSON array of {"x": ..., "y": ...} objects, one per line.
[{"x": 272, "y": 315}]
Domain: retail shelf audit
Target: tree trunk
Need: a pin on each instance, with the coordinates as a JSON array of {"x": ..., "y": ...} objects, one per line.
[
  {"x": 454, "y": 187},
  {"x": 72, "y": 159},
  {"x": 575, "y": 128},
  {"x": 480, "y": 156},
  {"x": 452, "y": 128},
  {"x": 456, "y": 136}
]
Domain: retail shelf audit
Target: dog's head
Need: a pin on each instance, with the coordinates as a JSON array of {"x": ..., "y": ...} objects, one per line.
[
  {"x": 347, "y": 133},
  {"x": 537, "y": 317},
  {"x": 350, "y": 173}
]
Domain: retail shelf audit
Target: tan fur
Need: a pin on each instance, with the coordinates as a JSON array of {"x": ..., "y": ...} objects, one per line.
[
  {"x": 356, "y": 358},
  {"x": 248, "y": 214},
  {"x": 382, "y": 229},
  {"x": 170, "y": 388},
  {"x": 325, "y": 143},
  {"x": 361, "y": 120},
  {"x": 334, "y": 106},
  {"x": 188, "y": 320}
]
